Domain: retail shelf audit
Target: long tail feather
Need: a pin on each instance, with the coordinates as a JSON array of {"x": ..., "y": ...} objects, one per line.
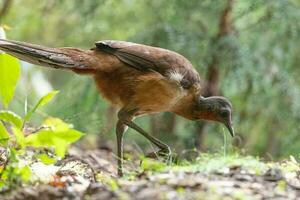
[{"x": 67, "y": 58}]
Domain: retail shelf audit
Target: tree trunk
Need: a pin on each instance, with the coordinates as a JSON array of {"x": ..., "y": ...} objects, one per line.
[
  {"x": 5, "y": 7},
  {"x": 154, "y": 125},
  {"x": 170, "y": 123}
]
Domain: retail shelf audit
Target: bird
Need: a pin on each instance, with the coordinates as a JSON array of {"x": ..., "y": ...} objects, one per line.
[{"x": 138, "y": 79}]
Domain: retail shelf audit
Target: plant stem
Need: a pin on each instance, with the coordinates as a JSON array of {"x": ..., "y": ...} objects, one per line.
[{"x": 225, "y": 143}]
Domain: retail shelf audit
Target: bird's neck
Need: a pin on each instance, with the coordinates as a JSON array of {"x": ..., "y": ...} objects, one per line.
[
  {"x": 205, "y": 108},
  {"x": 203, "y": 104},
  {"x": 186, "y": 107}
]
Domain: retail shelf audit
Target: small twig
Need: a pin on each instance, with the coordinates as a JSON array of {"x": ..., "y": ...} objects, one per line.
[{"x": 29, "y": 131}]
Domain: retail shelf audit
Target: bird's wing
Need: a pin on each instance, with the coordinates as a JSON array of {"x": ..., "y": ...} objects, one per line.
[
  {"x": 146, "y": 58},
  {"x": 129, "y": 53}
]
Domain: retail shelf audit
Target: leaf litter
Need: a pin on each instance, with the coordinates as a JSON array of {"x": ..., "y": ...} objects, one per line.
[{"x": 91, "y": 174}]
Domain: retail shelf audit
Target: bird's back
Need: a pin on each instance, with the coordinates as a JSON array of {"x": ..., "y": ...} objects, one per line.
[{"x": 154, "y": 79}]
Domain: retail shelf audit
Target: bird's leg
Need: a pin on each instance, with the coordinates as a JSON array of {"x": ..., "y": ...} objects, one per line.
[
  {"x": 164, "y": 148},
  {"x": 120, "y": 130},
  {"x": 126, "y": 118}
]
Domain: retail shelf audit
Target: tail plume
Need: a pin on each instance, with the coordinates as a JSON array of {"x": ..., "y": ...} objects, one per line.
[{"x": 66, "y": 58}]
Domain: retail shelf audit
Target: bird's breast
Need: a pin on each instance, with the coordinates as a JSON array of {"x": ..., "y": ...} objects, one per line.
[
  {"x": 149, "y": 92},
  {"x": 155, "y": 93}
]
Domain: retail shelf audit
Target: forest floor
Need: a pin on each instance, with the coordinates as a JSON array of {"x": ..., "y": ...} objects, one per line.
[{"x": 91, "y": 174}]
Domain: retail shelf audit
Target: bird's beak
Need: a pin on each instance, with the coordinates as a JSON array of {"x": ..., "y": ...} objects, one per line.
[{"x": 230, "y": 128}]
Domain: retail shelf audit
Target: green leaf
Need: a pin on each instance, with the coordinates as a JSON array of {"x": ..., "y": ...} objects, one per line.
[
  {"x": 11, "y": 117},
  {"x": 4, "y": 135},
  {"x": 69, "y": 136},
  {"x": 56, "y": 124},
  {"x": 20, "y": 138},
  {"x": 61, "y": 147},
  {"x": 49, "y": 138},
  {"x": 39, "y": 139},
  {"x": 44, "y": 100},
  {"x": 24, "y": 172},
  {"x": 2, "y": 184},
  {"x": 63, "y": 130},
  {"x": 46, "y": 159},
  {"x": 59, "y": 136},
  {"x": 9, "y": 76}
]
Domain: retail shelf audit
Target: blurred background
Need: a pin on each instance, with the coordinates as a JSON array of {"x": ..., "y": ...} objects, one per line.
[{"x": 248, "y": 51}]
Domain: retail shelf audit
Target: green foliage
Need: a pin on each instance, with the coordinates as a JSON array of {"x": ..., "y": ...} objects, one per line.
[
  {"x": 14, "y": 172},
  {"x": 209, "y": 163},
  {"x": 54, "y": 133},
  {"x": 46, "y": 159},
  {"x": 217, "y": 163},
  {"x": 24, "y": 172},
  {"x": 4, "y": 135},
  {"x": 111, "y": 182},
  {"x": 58, "y": 134},
  {"x": 11, "y": 117},
  {"x": 19, "y": 137},
  {"x": 44, "y": 100},
  {"x": 10, "y": 72},
  {"x": 152, "y": 165}
]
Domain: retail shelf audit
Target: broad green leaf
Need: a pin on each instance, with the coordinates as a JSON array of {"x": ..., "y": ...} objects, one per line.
[
  {"x": 11, "y": 117},
  {"x": 59, "y": 136},
  {"x": 57, "y": 129},
  {"x": 69, "y": 136},
  {"x": 4, "y": 135},
  {"x": 46, "y": 159},
  {"x": 63, "y": 130},
  {"x": 41, "y": 139},
  {"x": 9, "y": 76},
  {"x": 61, "y": 147},
  {"x": 44, "y": 100},
  {"x": 48, "y": 138},
  {"x": 57, "y": 124},
  {"x": 20, "y": 138}
]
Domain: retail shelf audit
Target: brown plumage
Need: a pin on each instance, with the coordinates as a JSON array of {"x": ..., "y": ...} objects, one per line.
[{"x": 139, "y": 79}]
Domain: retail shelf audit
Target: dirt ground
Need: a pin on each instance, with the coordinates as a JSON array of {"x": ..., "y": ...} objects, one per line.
[{"x": 92, "y": 175}]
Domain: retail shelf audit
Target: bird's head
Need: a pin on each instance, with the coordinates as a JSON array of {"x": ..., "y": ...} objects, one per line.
[{"x": 215, "y": 109}]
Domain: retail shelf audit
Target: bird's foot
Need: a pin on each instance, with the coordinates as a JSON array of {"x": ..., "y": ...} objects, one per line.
[{"x": 164, "y": 154}]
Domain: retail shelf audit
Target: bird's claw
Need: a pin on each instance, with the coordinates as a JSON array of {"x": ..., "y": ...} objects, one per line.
[{"x": 162, "y": 153}]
